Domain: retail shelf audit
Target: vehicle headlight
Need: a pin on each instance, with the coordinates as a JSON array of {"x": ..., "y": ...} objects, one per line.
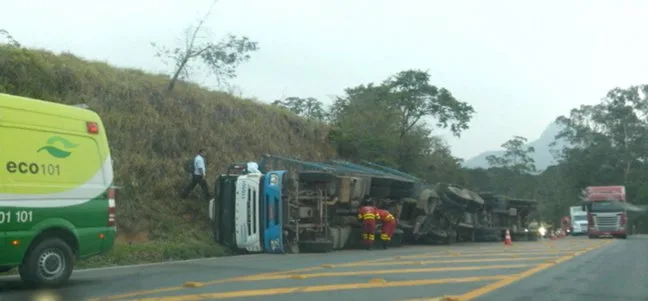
[{"x": 274, "y": 179}]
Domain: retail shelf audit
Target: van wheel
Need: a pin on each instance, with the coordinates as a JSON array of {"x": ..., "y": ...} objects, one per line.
[{"x": 49, "y": 264}]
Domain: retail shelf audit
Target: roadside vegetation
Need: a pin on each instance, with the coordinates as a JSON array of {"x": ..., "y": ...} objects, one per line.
[{"x": 156, "y": 122}]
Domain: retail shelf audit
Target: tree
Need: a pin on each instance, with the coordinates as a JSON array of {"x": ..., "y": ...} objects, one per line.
[
  {"x": 414, "y": 98},
  {"x": 385, "y": 122},
  {"x": 10, "y": 40},
  {"x": 516, "y": 158},
  {"x": 614, "y": 132},
  {"x": 221, "y": 58},
  {"x": 309, "y": 108}
]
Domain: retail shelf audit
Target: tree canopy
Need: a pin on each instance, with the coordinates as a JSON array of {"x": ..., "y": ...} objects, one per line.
[{"x": 387, "y": 123}]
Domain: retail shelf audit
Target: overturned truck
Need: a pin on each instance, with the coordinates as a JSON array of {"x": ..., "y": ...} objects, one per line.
[
  {"x": 293, "y": 206},
  {"x": 501, "y": 213}
]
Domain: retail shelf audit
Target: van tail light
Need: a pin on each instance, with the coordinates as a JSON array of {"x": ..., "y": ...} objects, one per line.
[
  {"x": 92, "y": 127},
  {"x": 624, "y": 219},
  {"x": 112, "y": 209}
]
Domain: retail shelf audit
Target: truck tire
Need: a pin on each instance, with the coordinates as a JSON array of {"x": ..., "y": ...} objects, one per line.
[
  {"x": 48, "y": 264},
  {"x": 316, "y": 246},
  {"x": 451, "y": 238},
  {"x": 625, "y": 236}
]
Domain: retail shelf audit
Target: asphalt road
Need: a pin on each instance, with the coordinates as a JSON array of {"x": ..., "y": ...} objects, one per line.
[{"x": 567, "y": 269}]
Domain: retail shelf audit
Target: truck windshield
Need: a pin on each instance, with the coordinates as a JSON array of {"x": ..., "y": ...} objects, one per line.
[
  {"x": 605, "y": 206},
  {"x": 579, "y": 218}
]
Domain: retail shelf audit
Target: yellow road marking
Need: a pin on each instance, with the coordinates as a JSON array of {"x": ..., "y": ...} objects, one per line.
[
  {"x": 386, "y": 272},
  {"x": 511, "y": 279},
  {"x": 218, "y": 281},
  {"x": 193, "y": 284},
  {"x": 319, "y": 288},
  {"x": 424, "y": 262},
  {"x": 481, "y": 255}
]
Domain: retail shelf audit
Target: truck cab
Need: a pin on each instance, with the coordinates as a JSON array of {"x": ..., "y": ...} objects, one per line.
[
  {"x": 578, "y": 218},
  {"x": 606, "y": 213},
  {"x": 247, "y": 210}
]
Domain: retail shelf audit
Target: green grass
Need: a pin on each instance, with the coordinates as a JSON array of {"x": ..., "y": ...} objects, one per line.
[{"x": 152, "y": 134}]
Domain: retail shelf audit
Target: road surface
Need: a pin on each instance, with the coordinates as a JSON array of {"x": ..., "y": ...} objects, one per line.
[{"x": 569, "y": 269}]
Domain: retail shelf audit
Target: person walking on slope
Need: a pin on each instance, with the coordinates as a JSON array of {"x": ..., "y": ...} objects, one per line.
[
  {"x": 367, "y": 215},
  {"x": 198, "y": 175},
  {"x": 388, "y": 226}
]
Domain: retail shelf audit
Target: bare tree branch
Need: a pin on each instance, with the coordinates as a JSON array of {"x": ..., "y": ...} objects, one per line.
[{"x": 221, "y": 58}]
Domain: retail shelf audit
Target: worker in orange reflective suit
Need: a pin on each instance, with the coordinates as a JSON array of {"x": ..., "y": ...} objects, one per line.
[
  {"x": 388, "y": 226},
  {"x": 367, "y": 215}
]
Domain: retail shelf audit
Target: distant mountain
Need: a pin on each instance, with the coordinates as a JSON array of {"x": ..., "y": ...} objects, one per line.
[{"x": 543, "y": 157}]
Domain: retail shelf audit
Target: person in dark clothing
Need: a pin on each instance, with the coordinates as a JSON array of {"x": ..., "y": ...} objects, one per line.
[{"x": 198, "y": 176}]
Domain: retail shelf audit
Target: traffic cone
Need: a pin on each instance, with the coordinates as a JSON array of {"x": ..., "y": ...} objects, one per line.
[{"x": 507, "y": 238}]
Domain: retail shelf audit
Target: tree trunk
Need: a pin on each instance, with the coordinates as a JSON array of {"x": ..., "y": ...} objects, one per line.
[{"x": 176, "y": 75}]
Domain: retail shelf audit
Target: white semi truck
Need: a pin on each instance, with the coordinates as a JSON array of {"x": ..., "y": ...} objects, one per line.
[{"x": 578, "y": 218}]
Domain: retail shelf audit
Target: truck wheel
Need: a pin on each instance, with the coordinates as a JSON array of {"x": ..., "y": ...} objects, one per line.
[
  {"x": 623, "y": 236},
  {"x": 292, "y": 248},
  {"x": 316, "y": 246},
  {"x": 451, "y": 238},
  {"x": 49, "y": 264}
]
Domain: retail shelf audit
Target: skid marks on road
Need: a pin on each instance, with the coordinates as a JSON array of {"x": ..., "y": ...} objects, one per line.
[{"x": 492, "y": 265}]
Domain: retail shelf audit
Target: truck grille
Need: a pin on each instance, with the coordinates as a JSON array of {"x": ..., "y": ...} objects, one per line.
[{"x": 607, "y": 223}]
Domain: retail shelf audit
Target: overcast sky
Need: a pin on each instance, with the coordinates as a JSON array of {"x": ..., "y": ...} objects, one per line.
[{"x": 519, "y": 64}]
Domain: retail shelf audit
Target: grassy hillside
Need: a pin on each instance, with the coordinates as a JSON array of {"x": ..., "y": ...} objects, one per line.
[{"x": 153, "y": 134}]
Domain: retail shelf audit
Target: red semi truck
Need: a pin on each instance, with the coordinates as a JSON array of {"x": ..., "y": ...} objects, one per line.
[{"x": 606, "y": 212}]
